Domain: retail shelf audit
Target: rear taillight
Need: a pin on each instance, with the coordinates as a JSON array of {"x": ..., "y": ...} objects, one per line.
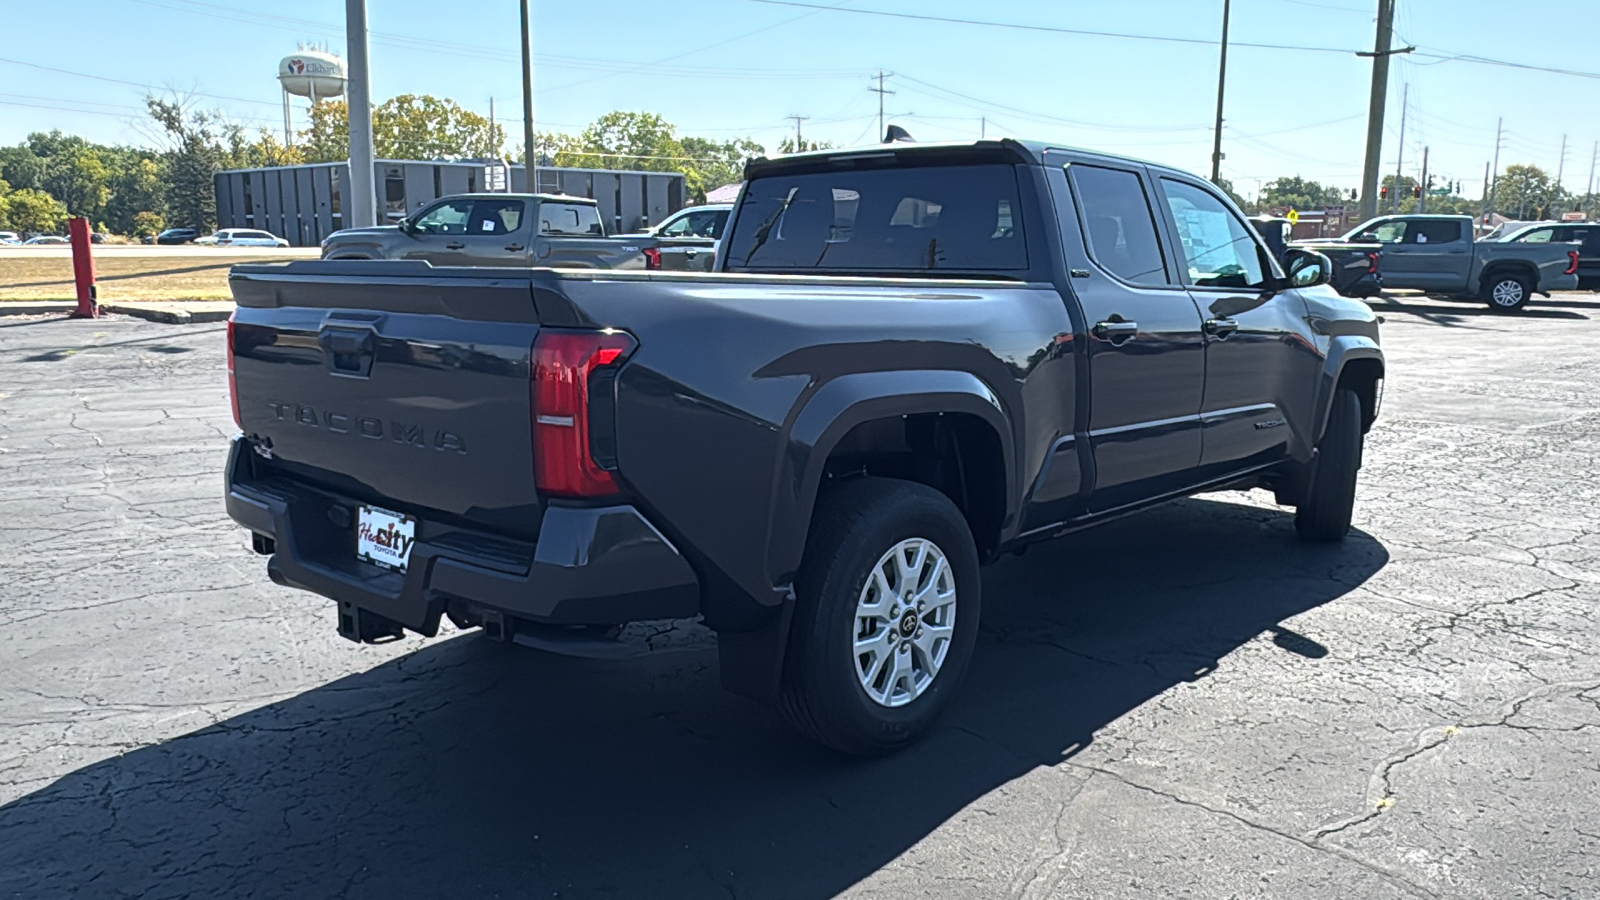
[
  {"x": 652, "y": 258},
  {"x": 569, "y": 421},
  {"x": 233, "y": 380},
  {"x": 1372, "y": 263},
  {"x": 1572, "y": 267}
]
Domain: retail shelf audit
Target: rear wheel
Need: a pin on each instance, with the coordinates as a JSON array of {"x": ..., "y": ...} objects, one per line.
[
  {"x": 886, "y": 616},
  {"x": 1330, "y": 500},
  {"x": 1507, "y": 292}
]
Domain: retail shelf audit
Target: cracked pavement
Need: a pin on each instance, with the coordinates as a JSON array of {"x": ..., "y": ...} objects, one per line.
[{"x": 1184, "y": 703}]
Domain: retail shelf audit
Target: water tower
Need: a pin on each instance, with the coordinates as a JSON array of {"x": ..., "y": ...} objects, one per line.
[{"x": 312, "y": 72}]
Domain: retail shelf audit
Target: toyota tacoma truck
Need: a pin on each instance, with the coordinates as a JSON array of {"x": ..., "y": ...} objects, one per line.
[
  {"x": 908, "y": 362},
  {"x": 496, "y": 230},
  {"x": 1438, "y": 254}
]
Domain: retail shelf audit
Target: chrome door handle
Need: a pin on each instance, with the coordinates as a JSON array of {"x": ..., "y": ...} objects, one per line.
[
  {"x": 1221, "y": 328},
  {"x": 454, "y": 245},
  {"x": 1117, "y": 333}
]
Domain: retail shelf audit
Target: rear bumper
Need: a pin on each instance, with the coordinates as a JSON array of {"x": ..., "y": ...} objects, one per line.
[{"x": 590, "y": 565}]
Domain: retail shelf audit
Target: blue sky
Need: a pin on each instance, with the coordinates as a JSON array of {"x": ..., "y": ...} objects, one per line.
[{"x": 733, "y": 68}]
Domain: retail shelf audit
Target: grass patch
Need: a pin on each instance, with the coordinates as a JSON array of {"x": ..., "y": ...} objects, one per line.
[{"x": 163, "y": 277}]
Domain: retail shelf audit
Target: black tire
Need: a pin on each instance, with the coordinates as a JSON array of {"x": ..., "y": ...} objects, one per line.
[
  {"x": 1330, "y": 500},
  {"x": 1507, "y": 292},
  {"x": 855, "y": 526}
]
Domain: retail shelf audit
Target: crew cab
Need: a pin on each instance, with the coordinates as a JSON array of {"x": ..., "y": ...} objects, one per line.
[
  {"x": 1437, "y": 254},
  {"x": 495, "y": 230},
  {"x": 1586, "y": 235},
  {"x": 911, "y": 360},
  {"x": 687, "y": 239}
]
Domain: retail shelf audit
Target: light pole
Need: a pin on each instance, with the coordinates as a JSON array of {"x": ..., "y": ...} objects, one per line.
[{"x": 529, "y": 156}]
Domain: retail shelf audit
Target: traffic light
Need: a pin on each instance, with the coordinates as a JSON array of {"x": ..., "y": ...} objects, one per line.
[
  {"x": 1383, "y": 193},
  {"x": 1416, "y": 191},
  {"x": 1353, "y": 194}
]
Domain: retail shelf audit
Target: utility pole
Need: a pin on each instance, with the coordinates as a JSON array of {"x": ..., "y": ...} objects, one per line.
[
  {"x": 361, "y": 210},
  {"x": 1422, "y": 199},
  {"x": 799, "y": 141},
  {"x": 530, "y": 155},
  {"x": 1494, "y": 180},
  {"x": 879, "y": 90},
  {"x": 1588, "y": 195},
  {"x": 1222, "y": 83},
  {"x": 1400, "y": 155},
  {"x": 1380, "y": 91},
  {"x": 1561, "y": 167},
  {"x": 1483, "y": 204}
]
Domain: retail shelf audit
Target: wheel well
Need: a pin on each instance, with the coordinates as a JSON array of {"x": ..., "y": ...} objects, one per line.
[
  {"x": 1362, "y": 376},
  {"x": 1499, "y": 269},
  {"x": 957, "y": 454}
]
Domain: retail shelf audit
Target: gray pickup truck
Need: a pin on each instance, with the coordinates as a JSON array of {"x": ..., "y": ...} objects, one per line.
[
  {"x": 909, "y": 361},
  {"x": 496, "y": 230},
  {"x": 1437, "y": 254},
  {"x": 687, "y": 240}
]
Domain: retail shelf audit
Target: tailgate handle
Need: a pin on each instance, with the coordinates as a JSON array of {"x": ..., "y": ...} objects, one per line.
[{"x": 348, "y": 351}]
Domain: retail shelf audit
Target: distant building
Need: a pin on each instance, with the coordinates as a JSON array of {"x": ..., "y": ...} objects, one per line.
[{"x": 303, "y": 203}]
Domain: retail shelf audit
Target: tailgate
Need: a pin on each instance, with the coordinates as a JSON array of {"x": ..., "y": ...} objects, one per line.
[{"x": 392, "y": 382}]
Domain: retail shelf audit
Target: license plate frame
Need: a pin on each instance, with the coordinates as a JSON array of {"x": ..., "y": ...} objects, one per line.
[{"x": 384, "y": 538}]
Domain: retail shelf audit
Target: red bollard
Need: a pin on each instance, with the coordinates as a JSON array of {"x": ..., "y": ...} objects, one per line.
[{"x": 82, "y": 269}]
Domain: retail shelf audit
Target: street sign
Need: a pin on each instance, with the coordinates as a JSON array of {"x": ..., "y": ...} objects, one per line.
[
  {"x": 495, "y": 178},
  {"x": 1293, "y": 217},
  {"x": 1572, "y": 217},
  {"x": 1439, "y": 192}
]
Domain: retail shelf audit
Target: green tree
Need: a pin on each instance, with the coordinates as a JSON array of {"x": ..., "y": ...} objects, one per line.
[
  {"x": 33, "y": 210},
  {"x": 138, "y": 186},
  {"x": 195, "y": 156},
  {"x": 628, "y": 140},
  {"x": 711, "y": 165},
  {"x": 1295, "y": 192},
  {"x": 146, "y": 223},
  {"x": 789, "y": 145},
  {"x": 411, "y": 126},
  {"x": 1527, "y": 192},
  {"x": 80, "y": 179},
  {"x": 1227, "y": 188}
]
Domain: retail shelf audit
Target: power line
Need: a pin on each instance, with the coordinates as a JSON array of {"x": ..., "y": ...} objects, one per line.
[{"x": 1046, "y": 28}]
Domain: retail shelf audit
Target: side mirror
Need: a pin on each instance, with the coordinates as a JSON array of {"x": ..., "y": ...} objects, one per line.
[
  {"x": 407, "y": 226},
  {"x": 1308, "y": 268}
]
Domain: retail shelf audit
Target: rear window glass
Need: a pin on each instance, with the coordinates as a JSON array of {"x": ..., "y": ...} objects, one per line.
[
  {"x": 963, "y": 218},
  {"x": 570, "y": 220}
]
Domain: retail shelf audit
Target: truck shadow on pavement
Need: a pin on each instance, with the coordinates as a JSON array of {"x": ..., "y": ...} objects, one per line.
[{"x": 471, "y": 769}]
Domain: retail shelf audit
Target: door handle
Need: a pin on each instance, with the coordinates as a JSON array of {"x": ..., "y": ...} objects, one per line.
[
  {"x": 1115, "y": 332},
  {"x": 454, "y": 245},
  {"x": 690, "y": 252},
  {"x": 1221, "y": 328},
  {"x": 513, "y": 247}
]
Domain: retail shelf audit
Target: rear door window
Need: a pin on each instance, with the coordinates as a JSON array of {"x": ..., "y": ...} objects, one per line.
[
  {"x": 569, "y": 220},
  {"x": 1539, "y": 236},
  {"x": 494, "y": 217},
  {"x": 1119, "y": 228},
  {"x": 1427, "y": 231},
  {"x": 960, "y": 218}
]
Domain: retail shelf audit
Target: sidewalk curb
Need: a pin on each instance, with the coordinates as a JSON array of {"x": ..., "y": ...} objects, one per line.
[{"x": 168, "y": 313}]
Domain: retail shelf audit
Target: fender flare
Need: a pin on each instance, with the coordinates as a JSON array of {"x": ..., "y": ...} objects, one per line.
[
  {"x": 831, "y": 411},
  {"x": 1342, "y": 350}
]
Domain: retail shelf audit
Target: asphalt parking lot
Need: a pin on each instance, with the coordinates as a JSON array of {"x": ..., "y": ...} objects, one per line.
[{"x": 1187, "y": 703}]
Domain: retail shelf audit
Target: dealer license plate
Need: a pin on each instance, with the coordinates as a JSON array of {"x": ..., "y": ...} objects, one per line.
[{"x": 384, "y": 538}]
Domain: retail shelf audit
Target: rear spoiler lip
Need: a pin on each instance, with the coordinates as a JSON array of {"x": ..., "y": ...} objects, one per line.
[{"x": 404, "y": 286}]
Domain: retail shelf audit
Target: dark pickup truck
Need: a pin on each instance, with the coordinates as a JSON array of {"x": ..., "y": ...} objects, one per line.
[
  {"x": 910, "y": 360},
  {"x": 496, "y": 230}
]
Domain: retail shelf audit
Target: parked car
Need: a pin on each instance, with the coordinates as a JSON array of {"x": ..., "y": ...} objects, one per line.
[
  {"x": 96, "y": 237},
  {"x": 1585, "y": 234},
  {"x": 1014, "y": 342},
  {"x": 687, "y": 239},
  {"x": 178, "y": 236},
  {"x": 1506, "y": 229},
  {"x": 1437, "y": 254},
  {"x": 46, "y": 239},
  {"x": 495, "y": 230},
  {"x": 10, "y": 237},
  {"x": 242, "y": 237}
]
